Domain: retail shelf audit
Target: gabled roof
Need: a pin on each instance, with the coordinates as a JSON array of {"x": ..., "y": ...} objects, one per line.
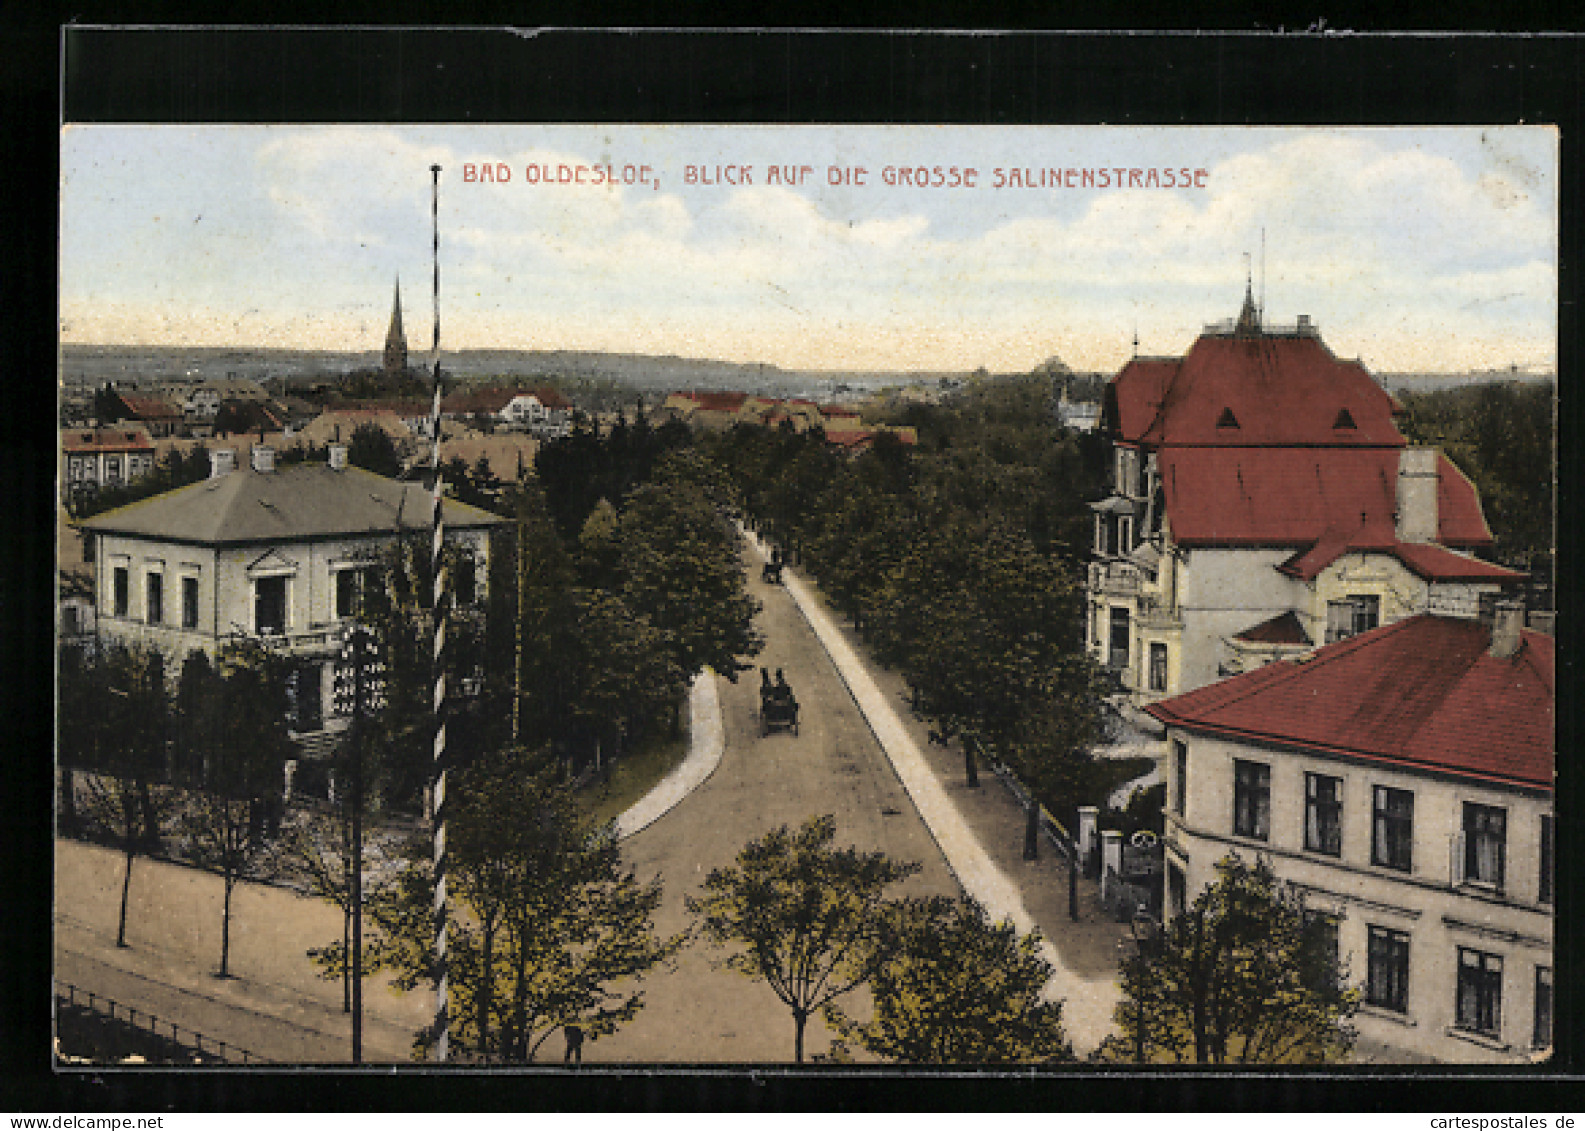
[
  {"x": 299, "y": 501},
  {"x": 1434, "y": 563},
  {"x": 149, "y": 408},
  {"x": 483, "y": 401},
  {"x": 1281, "y": 629},
  {"x": 1299, "y": 496},
  {"x": 1423, "y": 693},
  {"x": 1258, "y": 391},
  {"x": 81, "y": 440}
]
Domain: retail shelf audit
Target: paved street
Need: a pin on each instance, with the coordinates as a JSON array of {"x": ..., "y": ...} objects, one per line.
[{"x": 696, "y": 1011}]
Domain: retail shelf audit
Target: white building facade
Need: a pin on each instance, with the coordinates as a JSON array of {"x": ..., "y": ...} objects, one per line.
[
  {"x": 1402, "y": 781},
  {"x": 1264, "y": 502},
  {"x": 274, "y": 555}
]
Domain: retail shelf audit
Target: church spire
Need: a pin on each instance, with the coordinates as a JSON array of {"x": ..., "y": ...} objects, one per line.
[
  {"x": 1249, "y": 318},
  {"x": 395, "y": 339}
]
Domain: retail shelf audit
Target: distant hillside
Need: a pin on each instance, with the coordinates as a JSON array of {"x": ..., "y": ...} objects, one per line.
[
  {"x": 1432, "y": 382},
  {"x": 94, "y": 365}
]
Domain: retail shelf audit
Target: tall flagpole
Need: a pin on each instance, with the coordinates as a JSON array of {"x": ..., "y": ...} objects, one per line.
[{"x": 438, "y": 619}]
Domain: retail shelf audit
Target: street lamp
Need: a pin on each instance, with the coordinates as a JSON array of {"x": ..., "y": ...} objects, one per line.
[{"x": 1147, "y": 933}]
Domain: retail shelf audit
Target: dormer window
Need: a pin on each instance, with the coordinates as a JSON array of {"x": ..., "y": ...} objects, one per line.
[
  {"x": 1227, "y": 419},
  {"x": 1345, "y": 419}
]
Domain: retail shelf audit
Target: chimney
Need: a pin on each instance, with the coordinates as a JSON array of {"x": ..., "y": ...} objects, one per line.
[
  {"x": 222, "y": 461},
  {"x": 1306, "y": 328},
  {"x": 338, "y": 457},
  {"x": 1417, "y": 482},
  {"x": 1505, "y": 626},
  {"x": 263, "y": 458}
]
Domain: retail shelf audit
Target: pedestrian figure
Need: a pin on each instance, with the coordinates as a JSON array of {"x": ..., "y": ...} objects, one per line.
[{"x": 574, "y": 1036}]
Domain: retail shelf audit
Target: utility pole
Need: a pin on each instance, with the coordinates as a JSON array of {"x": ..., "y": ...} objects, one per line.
[{"x": 442, "y": 1024}]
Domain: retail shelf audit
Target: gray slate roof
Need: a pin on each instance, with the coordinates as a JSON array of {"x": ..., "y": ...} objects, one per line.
[{"x": 295, "y": 502}]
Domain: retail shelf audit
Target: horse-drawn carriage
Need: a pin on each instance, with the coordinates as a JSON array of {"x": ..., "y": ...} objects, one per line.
[{"x": 778, "y": 708}]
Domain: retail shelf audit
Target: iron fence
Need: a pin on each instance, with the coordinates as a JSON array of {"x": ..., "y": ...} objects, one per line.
[{"x": 196, "y": 1042}]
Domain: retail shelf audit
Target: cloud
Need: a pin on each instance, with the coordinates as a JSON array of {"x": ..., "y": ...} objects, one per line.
[{"x": 1389, "y": 236}]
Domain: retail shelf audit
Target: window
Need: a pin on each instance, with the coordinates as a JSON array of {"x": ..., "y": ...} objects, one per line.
[
  {"x": 1545, "y": 895},
  {"x": 1180, "y": 777},
  {"x": 1392, "y": 842},
  {"x": 1125, "y": 533},
  {"x": 1323, "y": 814},
  {"x": 1118, "y": 657},
  {"x": 189, "y": 602},
  {"x": 1543, "y": 1008},
  {"x": 154, "y": 591},
  {"x": 304, "y": 694},
  {"x": 1321, "y": 953},
  {"x": 1388, "y": 983},
  {"x": 1479, "y": 992},
  {"x": 1251, "y": 799},
  {"x": 269, "y": 604},
  {"x": 1485, "y": 835},
  {"x": 349, "y": 588},
  {"x": 1351, "y": 616},
  {"x": 466, "y": 584},
  {"x": 1158, "y": 667},
  {"x": 120, "y": 587}
]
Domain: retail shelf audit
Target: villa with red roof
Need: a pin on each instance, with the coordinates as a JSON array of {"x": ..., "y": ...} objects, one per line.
[
  {"x": 542, "y": 411},
  {"x": 1263, "y": 503},
  {"x": 1402, "y": 781}
]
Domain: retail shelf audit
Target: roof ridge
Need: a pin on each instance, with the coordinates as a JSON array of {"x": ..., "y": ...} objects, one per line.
[{"x": 1286, "y": 670}]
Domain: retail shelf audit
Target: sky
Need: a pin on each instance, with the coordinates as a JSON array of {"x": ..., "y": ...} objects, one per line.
[{"x": 1412, "y": 249}]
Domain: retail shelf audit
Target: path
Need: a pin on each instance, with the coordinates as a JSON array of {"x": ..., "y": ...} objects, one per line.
[{"x": 1090, "y": 999}]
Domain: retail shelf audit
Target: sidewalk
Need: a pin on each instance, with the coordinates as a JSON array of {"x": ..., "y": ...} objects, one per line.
[
  {"x": 980, "y": 832},
  {"x": 275, "y": 1006},
  {"x": 705, "y": 744}
]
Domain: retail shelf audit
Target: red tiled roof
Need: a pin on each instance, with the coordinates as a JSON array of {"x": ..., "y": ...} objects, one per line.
[
  {"x": 1137, "y": 392},
  {"x": 1434, "y": 563},
  {"x": 1280, "y": 390},
  {"x": 550, "y": 398},
  {"x": 1421, "y": 693},
  {"x": 838, "y": 410},
  {"x": 1281, "y": 629},
  {"x": 1300, "y": 496},
  {"x": 483, "y": 401},
  {"x": 106, "y": 440},
  {"x": 149, "y": 408}
]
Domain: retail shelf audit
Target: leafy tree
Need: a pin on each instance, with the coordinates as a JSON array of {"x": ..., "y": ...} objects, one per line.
[
  {"x": 807, "y": 918},
  {"x": 681, "y": 568},
  {"x": 544, "y": 577},
  {"x": 319, "y": 848},
  {"x": 621, "y": 672},
  {"x": 1239, "y": 978},
  {"x": 226, "y": 820},
  {"x": 955, "y": 988},
  {"x": 373, "y": 450},
  {"x": 550, "y": 926},
  {"x": 121, "y": 746}
]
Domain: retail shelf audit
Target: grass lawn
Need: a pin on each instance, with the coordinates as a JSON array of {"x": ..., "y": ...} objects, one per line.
[{"x": 640, "y": 769}]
